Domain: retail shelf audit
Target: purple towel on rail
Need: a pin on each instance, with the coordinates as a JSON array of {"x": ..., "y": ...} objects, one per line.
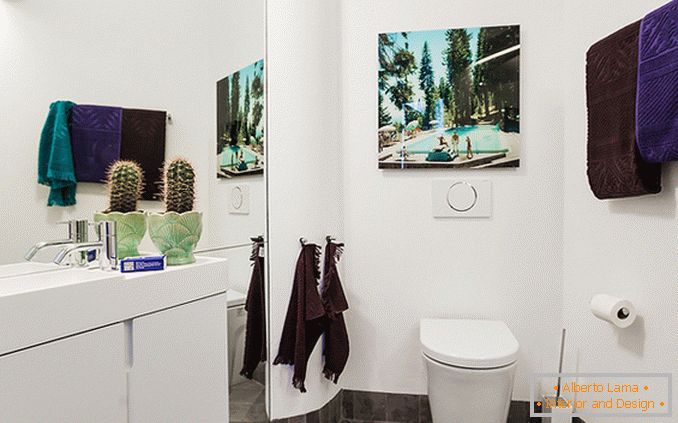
[
  {"x": 95, "y": 138},
  {"x": 657, "y": 103}
]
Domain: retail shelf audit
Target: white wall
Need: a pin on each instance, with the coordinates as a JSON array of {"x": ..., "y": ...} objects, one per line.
[
  {"x": 624, "y": 247},
  {"x": 401, "y": 264},
  {"x": 133, "y": 54},
  {"x": 146, "y": 54},
  {"x": 305, "y": 186}
]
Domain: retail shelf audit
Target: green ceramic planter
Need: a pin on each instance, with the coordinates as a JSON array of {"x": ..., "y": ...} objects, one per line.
[
  {"x": 176, "y": 235},
  {"x": 130, "y": 228}
]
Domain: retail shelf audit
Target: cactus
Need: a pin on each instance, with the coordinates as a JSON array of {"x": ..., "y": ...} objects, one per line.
[
  {"x": 179, "y": 186},
  {"x": 125, "y": 182}
]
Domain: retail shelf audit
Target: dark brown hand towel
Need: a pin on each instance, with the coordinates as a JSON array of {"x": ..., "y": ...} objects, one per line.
[
  {"x": 615, "y": 168},
  {"x": 255, "y": 336},
  {"x": 334, "y": 300},
  {"x": 304, "y": 322},
  {"x": 143, "y": 141}
]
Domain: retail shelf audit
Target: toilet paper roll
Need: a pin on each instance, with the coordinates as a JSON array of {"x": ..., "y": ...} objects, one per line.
[{"x": 617, "y": 311}]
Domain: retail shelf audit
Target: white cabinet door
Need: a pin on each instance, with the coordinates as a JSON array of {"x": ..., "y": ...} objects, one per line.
[
  {"x": 178, "y": 370},
  {"x": 80, "y": 379}
]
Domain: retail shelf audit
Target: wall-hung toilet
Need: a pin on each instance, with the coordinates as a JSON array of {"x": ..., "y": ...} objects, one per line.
[
  {"x": 471, "y": 366},
  {"x": 237, "y": 320}
]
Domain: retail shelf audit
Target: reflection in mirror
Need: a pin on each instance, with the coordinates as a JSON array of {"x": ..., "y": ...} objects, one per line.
[{"x": 86, "y": 85}]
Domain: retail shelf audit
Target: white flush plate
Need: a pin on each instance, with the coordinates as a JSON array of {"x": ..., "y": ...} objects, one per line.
[
  {"x": 239, "y": 203},
  {"x": 461, "y": 198}
]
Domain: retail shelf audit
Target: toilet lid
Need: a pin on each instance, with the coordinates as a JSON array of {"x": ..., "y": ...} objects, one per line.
[
  {"x": 234, "y": 299},
  {"x": 478, "y": 344}
]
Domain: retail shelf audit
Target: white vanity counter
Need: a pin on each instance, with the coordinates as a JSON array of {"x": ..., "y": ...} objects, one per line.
[
  {"x": 39, "y": 307},
  {"x": 83, "y": 345}
]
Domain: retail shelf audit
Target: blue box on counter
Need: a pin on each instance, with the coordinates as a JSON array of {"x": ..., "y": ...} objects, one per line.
[{"x": 142, "y": 264}]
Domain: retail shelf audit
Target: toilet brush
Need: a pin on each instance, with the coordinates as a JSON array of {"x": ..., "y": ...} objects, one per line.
[
  {"x": 560, "y": 413},
  {"x": 560, "y": 362}
]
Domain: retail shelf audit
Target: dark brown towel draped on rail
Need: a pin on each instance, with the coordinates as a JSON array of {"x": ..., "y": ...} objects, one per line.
[
  {"x": 615, "y": 168},
  {"x": 143, "y": 141},
  {"x": 334, "y": 300},
  {"x": 305, "y": 321},
  {"x": 255, "y": 336}
]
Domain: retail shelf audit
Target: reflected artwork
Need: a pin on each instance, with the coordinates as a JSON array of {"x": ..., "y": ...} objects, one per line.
[{"x": 241, "y": 122}]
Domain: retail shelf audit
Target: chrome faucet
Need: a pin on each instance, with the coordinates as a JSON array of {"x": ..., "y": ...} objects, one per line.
[
  {"x": 106, "y": 247},
  {"x": 77, "y": 233}
]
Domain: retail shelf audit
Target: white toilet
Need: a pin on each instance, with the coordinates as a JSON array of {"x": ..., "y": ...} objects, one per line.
[
  {"x": 471, "y": 366},
  {"x": 237, "y": 320}
]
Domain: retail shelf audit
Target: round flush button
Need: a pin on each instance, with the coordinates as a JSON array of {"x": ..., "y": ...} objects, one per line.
[
  {"x": 462, "y": 196},
  {"x": 237, "y": 198}
]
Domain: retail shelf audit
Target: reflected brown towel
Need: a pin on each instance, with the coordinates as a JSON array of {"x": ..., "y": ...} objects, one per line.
[
  {"x": 615, "y": 168},
  {"x": 143, "y": 141},
  {"x": 304, "y": 322},
  {"x": 255, "y": 336},
  {"x": 334, "y": 300}
]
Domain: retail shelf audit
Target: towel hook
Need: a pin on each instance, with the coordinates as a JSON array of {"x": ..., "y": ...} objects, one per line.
[{"x": 303, "y": 241}]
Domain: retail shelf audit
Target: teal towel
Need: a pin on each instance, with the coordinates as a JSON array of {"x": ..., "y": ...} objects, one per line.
[
  {"x": 55, "y": 157},
  {"x": 438, "y": 156}
]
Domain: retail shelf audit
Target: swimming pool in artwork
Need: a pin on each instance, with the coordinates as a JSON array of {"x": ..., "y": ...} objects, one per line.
[
  {"x": 231, "y": 154},
  {"x": 484, "y": 139}
]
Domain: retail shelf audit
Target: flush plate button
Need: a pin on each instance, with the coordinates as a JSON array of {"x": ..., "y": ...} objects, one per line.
[
  {"x": 240, "y": 200},
  {"x": 461, "y": 198}
]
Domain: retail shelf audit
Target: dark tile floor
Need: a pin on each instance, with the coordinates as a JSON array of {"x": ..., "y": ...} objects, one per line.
[
  {"x": 247, "y": 402},
  {"x": 380, "y": 407}
]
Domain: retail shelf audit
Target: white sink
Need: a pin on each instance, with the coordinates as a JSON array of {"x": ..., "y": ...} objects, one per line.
[
  {"x": 46, "y": 305},
  {"x": 26, "y": 268}
]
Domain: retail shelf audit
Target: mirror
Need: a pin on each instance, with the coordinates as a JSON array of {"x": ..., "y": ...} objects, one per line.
[{"x": 168, "y": 80}]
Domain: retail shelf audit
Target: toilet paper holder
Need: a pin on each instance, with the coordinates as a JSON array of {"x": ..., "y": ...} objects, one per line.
[{"x": 620, "y": 312}]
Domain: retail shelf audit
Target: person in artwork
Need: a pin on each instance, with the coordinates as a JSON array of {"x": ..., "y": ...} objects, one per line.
[
  {"x": 442, "y": 141},
  {"x": 469, "y": 148},
  {"x": 242, "y": 166},
  {"x": 455, "y": 143}
]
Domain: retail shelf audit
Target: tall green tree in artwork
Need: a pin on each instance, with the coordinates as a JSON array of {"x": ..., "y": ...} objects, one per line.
[
  {"x": 397, "y": 64},
  {"x": 457, "y": 59},
  {"x": 235, "y": 109},
  {"x": 427, "y": 84},
  {"x": 481, "y": 79},
  {"x": 244, "y": 128},
  {"x": 224, "y": 111},
  {"x": 258, "y": 106},
  {"x": 386, "y": 51}
]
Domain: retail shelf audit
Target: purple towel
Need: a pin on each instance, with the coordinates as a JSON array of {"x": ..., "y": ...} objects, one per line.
[
  {"x": 657, "y": 103},
  {"x": 95, "y": 137}
]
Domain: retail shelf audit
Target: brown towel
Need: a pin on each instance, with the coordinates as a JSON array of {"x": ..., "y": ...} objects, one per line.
[
  {"x": 304, "y": 322},
  {"x": 143, "y": 141},
  {"x": 334, "y": 300},
  {"x": 255, "y": 335},
  {"x": 615, "y": 168}
]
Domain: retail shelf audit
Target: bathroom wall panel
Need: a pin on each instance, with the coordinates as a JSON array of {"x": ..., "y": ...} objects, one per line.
[
  {"x": 135, "y": 54},
  {"x": 401, "y": 264},
  {"x": 305, "y": 185},
  {"x": 101, "y": 55},
  {"x": 627, "y": 248}
]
